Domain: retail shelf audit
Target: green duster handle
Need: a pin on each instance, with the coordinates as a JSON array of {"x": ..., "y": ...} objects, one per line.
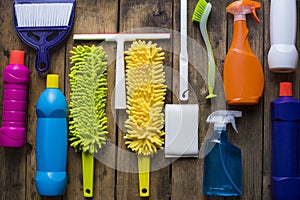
[{"x": 88, "y": 174}]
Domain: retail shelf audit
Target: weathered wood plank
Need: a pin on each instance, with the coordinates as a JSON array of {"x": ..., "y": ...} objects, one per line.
[
  {"x": 250, "y": 138},
  {"x": 183, "y": 179},
  {"x": 250, "y": 126},
  {"x": 37, "y": 85},
  {"x": 13, "y": 161},
  {"x": 102, "y": 17},
  {"x": 272, "y": 81},
  {"x": 138, "y": 15},
  {"x": 187, "y": 184}
]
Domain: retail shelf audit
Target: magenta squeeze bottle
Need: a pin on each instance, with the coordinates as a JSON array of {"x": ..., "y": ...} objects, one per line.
[{"x": 15, "y": 80}]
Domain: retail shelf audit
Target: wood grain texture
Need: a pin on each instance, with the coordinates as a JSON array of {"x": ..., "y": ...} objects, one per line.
[
  {"x": 13, "y": 161},
  {"x": 100, "y": 18},
  {"x": 272, "y": 81},
  {"x": 115, "y": 170},
  {"x": 152, "y": 14}
]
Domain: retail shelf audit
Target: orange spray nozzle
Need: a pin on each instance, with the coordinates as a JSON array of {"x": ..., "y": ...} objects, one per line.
[{"x": 243, "y": 7}]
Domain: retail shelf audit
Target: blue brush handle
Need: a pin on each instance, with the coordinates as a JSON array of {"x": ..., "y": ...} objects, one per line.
[
  {"x": 42, "y": 59},
  {"x": 42, "y": 41}
]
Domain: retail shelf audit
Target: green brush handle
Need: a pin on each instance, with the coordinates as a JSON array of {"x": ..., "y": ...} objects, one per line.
[
  {"x": 88, "y": 174},
  {"x": 211, "y": 61}
]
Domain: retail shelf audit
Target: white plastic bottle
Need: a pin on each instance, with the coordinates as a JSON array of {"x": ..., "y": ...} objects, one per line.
[{"x": 283, "y": 55}]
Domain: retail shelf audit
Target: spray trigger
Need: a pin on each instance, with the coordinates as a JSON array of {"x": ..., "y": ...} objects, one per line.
[
  {"x": 222, "y": 117},
  {"x": 230, "y": 119},
  {"x": 254, "y": 15}
]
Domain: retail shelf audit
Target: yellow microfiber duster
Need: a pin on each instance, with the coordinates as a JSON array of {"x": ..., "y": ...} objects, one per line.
[
  {"x": 146, "y": 89},
  {"x": 88, "y": 121}
]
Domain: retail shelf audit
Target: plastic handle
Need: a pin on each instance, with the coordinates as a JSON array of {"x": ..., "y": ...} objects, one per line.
[
  {"x": 13, "y": 130},
  {"x": 283, "y": 22},
  {"x": 120, "y": 92},
  {"x": 211, "y": 61},
  {"x": 42, "y": 59},
  {"x": 183, "y": 82},
  {"x": 144, "y": 176},
  {"x": 183, "y": 62},
  {"x": 88, "y": 174}
]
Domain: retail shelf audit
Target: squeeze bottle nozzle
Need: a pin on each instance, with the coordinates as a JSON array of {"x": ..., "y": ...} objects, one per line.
[
  {"x": 222, "y": 117},
  {"x": 242, "y": 7}
]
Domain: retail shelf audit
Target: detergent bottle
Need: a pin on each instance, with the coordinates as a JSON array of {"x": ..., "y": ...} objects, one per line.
[
  {"x": 15, "y": 79},
  {"x": 223, "y": 161},
  {"x": 283, "y": 55},
  {"x": 285, "y": 115},
  {"x": 51, "y": 140},
  {"x": 243, "y": 74}
]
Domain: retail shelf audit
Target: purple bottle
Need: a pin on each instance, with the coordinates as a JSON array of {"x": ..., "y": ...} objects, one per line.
[
  {"x": 285, "y": 115},
  {"x": 15, "y": 79}
]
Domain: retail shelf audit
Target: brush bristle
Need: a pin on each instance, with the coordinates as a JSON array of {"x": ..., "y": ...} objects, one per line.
[
  {"x": 199, "y": 10},
  {"x": 88, "y": 80},
  {"x": 43, "y": 14},
  {"x": 146, "y": 89}
]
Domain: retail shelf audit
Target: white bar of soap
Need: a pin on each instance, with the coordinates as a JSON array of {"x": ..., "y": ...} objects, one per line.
[{"x": 181, "y": 127}]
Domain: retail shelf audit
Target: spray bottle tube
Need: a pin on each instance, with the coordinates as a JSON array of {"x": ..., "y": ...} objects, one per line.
[
  {"x": 223, "y": 161},
  {"x": 285, "y": 114}
]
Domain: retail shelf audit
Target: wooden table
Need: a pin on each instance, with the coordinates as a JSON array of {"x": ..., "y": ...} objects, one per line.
[{"x": 182, "y": 180}]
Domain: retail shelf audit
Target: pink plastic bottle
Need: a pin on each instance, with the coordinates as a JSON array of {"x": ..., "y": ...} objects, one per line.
[{"x": 15, "y": 79}]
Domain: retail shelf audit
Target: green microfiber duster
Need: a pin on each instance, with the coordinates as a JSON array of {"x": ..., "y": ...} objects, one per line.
[{"x": 88, "y": 121}]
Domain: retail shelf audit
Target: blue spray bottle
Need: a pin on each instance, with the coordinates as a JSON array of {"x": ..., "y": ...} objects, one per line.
[
  {"x": 223, "y": 161},
  {"x": 285, "y": 114},
  {"x": 51, "y": 140}
]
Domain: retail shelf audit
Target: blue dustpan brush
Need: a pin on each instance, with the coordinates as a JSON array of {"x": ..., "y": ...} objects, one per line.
[{"x": 42, "y": 25}]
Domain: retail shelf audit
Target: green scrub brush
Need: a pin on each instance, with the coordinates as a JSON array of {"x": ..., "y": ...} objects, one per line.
[
  {"x": 88, "y": 122},
  {"x": 201, "y": 14},
  {"x": 146, "y": 89}
]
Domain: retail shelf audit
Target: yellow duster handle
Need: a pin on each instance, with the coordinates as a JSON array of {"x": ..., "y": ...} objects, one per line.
[
  {"x": 144, "y": 169},
  {"x": 88, "y": 174}
]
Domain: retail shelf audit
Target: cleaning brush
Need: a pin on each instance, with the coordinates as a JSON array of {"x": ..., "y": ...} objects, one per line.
[
  {"x": 201, "y": 14},
  {"x": 146, "y": 89},
  {"x": 88, "y": 121},
  {"x": 43, "y": 24}
]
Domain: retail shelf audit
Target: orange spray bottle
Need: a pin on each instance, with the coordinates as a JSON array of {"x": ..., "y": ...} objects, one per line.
[{"x": 243, "y": 74}]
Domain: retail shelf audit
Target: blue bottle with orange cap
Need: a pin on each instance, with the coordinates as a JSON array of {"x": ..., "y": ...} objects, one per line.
[
  {"x": 285, "y": 115},
  {"x": 51, "y": 140}
]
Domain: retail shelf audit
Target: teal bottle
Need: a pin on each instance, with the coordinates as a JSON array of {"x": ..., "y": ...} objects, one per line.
[{"x": 223, "y": 161}]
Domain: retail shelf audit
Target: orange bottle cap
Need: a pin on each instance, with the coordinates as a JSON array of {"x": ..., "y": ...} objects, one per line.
[
  {"x": 285, "y": 89},
  {"x": 16, "y": 57}
]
